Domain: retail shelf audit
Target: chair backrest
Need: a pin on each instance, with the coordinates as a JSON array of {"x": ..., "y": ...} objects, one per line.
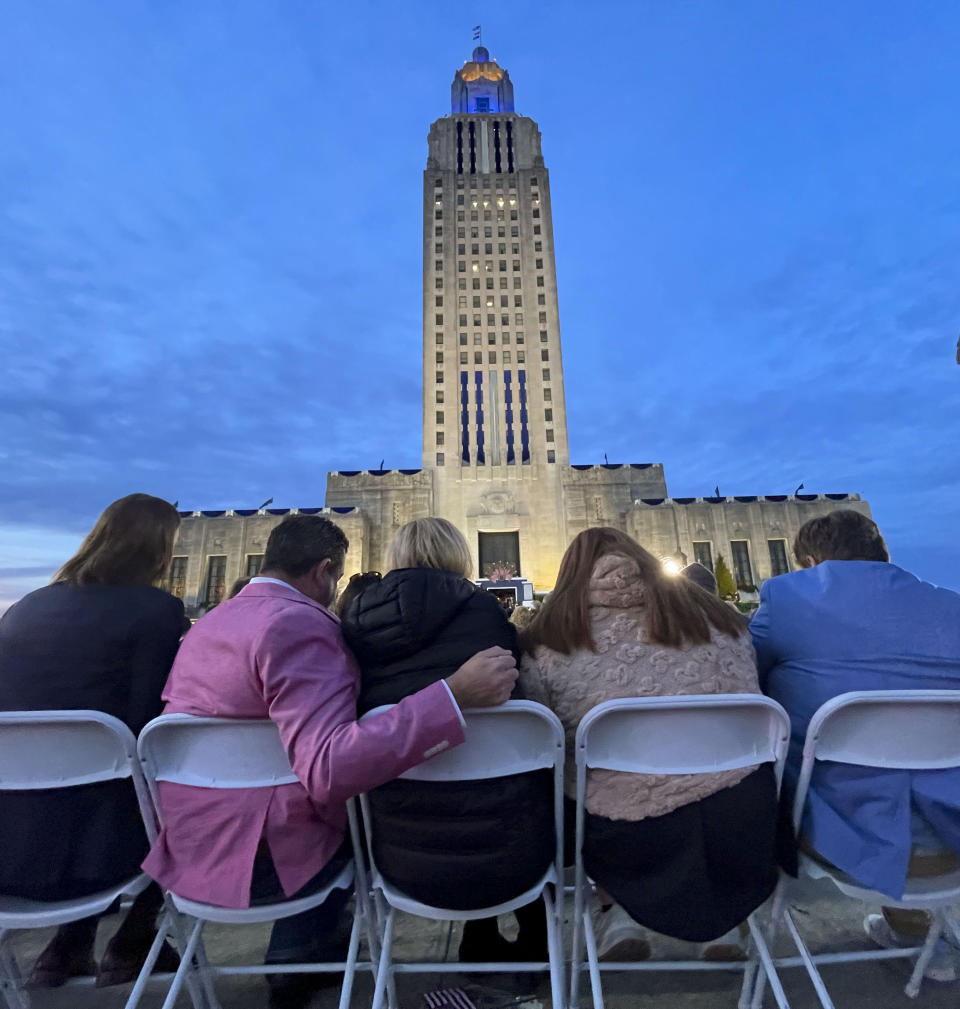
[
  {"x": 514, "y": 737},
  {"x": 693, "y": 734},
  {"x": 60, "y": 749},
  {"x": 896, "y": 729}
]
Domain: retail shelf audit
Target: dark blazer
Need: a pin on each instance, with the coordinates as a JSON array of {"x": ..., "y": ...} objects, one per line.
[
  {"x": 104, "y": 647},
  {"x": 459, "y": 844}
]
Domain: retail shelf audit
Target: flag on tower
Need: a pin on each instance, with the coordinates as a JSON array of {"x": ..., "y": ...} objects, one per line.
[{"x": 476, "y": 32}]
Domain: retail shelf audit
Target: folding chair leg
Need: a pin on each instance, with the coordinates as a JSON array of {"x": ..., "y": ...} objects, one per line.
[
  {"x": 576, "y": 943},
  {"x": 815, "y": 979},
  {"x": 144, "y": 976},
  {"x": 759, "y": 975},
  {"x": 596, "y": 989},
  {"x": 186, "y": 956},
  {"x": 383, "y": 967},
  {"x": 912, "y": 989},
  {"x": 769, "y": 969},
  {"x": 15, "y": 996},
  {"x": 350, "y": 969},
  {"x": 199, "y": 979},
  {"x": 554, "y": 948}
]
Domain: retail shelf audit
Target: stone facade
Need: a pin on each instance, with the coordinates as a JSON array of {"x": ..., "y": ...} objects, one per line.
[{"x": 495, "y": 450}]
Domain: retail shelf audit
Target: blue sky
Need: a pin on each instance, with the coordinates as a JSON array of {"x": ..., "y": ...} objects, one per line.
[{"x": 210, "y": 241}]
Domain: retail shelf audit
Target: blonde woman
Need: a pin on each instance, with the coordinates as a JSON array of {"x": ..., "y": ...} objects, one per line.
[
  {"x": 452, "y": 844},
  {"x": 100, "y": 637},
  {"x": 686, "y": 855}
]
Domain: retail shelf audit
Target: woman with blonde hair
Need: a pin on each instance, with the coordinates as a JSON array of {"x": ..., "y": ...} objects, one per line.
[
  {"x": 686, "y": 855},
  {"x": 460, "y": 844},
  {"x": 101, "y": 636}
]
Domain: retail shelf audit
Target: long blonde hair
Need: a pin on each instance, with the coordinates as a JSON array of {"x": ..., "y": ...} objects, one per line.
[
  {"x": 430, "y": 543},
  {"x": 130, "y": 544},
  {"x": 677, "y": 610}
]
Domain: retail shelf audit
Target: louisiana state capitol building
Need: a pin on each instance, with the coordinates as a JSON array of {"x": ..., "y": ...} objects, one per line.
[{"x": 496, "y": 458}]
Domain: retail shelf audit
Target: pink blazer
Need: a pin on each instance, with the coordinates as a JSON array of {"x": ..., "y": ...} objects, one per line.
[{"x": 273, "y": 653}]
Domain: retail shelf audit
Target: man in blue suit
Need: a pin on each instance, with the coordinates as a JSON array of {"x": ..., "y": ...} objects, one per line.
[{"x": 851, "y": 620}]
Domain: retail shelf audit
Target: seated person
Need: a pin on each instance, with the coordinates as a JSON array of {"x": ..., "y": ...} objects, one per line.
[
  {"x": 459, "y": 844},
  {"x": 690, "y": 856},
  {"x": 275, "y": 651},
  {"x": 851, "y": 620},
  {"x": 99, "y": 637}
]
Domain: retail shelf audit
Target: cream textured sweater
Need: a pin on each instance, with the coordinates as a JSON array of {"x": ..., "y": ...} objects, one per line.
[{"x": 625, "y": 664}]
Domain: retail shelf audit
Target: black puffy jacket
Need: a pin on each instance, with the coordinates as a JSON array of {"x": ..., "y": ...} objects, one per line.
[{"x": 459, "y": 844}]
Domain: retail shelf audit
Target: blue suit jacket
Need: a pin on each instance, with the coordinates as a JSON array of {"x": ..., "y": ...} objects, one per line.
[{"x": 861, "y": 625}]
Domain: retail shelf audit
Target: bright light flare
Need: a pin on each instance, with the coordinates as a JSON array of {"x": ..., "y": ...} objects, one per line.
[{"x": 671, "y": 567}]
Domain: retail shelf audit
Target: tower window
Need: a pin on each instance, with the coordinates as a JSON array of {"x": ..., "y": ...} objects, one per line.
[
  {"x": 514, "y": 232},
  {"x": 551, "y": 455},
  {"x": 439, "y": 301},
  {"x": 521, "y": 356},
  {"x": 547, "y": 395},
  {"x": 439, "y": 458},
  {"x": 539, "y": 264},
  {"x": 439, "y": 378},
  {"x": 483, "y": 105},
  {"x": 518, "y": 301},
  {"x": 478, "y": 357},
  {"x": 492, "y": 357},
  {"x": 549, "y": 434},
  {"x": 439, "y": 437},
  {"x": 438, "y": 282},
  {"x": 463, "y": 357},
  {"x": 544, "y": 354},
  {"x": 548, "y": 416},
  {"x": 439, "y": 357},
  {"x": 543, "y": 336},
  {"x": 516, "y": 264},
  {"x": 439, "y": 395},
  {"x": 440, "y": 339},
  {"x": 539, "y": 281},
  {"x": 546, "y": 374},
  {"x": 519, "y": 336},
  {"x": 463, "y": 339},
  {"x": 506, "y": 357},
  {"x": 439, "y": 318},
  {"x": 541, "y": 299},
  {"x": 536, "y": 229}
]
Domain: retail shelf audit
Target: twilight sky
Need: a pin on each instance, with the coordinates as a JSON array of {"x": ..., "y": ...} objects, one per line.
[{"x": 210, "y": 269}]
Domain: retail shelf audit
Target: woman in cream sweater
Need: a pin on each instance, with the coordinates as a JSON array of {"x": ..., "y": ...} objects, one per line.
[{"x": 687, "y": 855}]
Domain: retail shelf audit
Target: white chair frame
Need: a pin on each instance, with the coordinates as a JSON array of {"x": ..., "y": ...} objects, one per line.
[
  {"x": 903, "y": 729},
  {"x": 60, "y": 749},
  {"x": 692, "y": 734},
  {"x": 514, "y": 737},
  {"x": 235, "y": 753}
]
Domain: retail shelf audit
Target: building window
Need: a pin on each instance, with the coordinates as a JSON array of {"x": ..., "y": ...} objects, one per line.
[
  {"x": 461, "y": 267},
  {"x": 541, "y": 299},
  {"x": 513, "y": 215},
  {"x": 438, "y": 215},
  {"x": 177, "y": 581},
  {"x": 463, "y": 357},
  {"x": 518, "y": 301},
  {"x": 740, "y": 551},
  {"x": 254, "y": 563},
  {"x": 547, "y": 395},
  {"x": 504, "y": 300},
  {"x": 462, "y": 284},
  {"x": 492, "y": 357},
  {"x": 439, "y": 339},
  {"x": 521, "y": 356},
  {"x": 439, "y": 378},
  {"x": 544, "y": 354},
  {"x": 518, "y": 318},
  {"x": 549, "y": 434},
  {"x": 489, "y": 283},
  {"x": 536, "y": 211},
  {"x": 543, "y": 336},
  {"x": 539, "y": 264},
  {"x": 476, "y": 301},
  {"x": 548, "y": 416},
  {"x": 515, "y": 248},
  {"x": 538, "y": 246},
  {"x": 461, "y": 249},
  {"x": 505, "y": 319},
  {"x": 491, "y": 319},
  {"x": 506, "y": 337},
  {"x": 216, "y": 580},
  {"x": 506, "y": 357},
  {"x": 476, "y": 339},
  {"x": 539, "y": 281},
  {"x": 439, "y": 437},
  {"x": 438, "y": 265},
  {"x": 519, "y": 336},
  {"x": 514, "y": 232},
  {"x": 463, "y": 320},
  {"x": 459, "y": 215},
  {"x": 475, "y": 284},
  {"x": 503, "y": 283},
  {"x": 551, "y": 455},
  {"x": 778, "y": 557},
  {"x": 516, "y": 283},
  {"x": 438, "y": 283},
  {"x": 438, "y": 300},
  {"x": 502, "y": 248},
  {"x": 462, "y": 301},
  {"x": 516, "y": 264},
  {"x": 476, "y": 319},
  {"x": 536, "y": 229},
  {"x": 439, "y": 395},
  {"x": 478, "y": 357},
  {"x": 439, "y": 458},
  {"x": 463, "y": 339},
  {"x": 703, "y": 554},
  {"x": 440, "y": 416},
  {"x": 491, "y": 337},
  {"x": 546, "y": 374},
  {"x": 542, "y": 317}
]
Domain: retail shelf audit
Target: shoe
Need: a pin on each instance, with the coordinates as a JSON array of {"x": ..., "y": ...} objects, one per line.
[
  {"x": 619, "y": 937},
  {"x": 55, "y": 966},
  {"x": 119, "y": 968},
  {"x": 943, "y": 966},
  {"x": 728, "y": 948}
]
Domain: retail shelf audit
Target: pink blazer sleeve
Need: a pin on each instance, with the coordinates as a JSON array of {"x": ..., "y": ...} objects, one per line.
[{"x": 311, "y": 683}]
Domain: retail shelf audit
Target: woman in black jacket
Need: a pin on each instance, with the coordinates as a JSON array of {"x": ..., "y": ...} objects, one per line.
[
  {"x": 99, "y": 637},
  {"x": 458, "y": 844}
]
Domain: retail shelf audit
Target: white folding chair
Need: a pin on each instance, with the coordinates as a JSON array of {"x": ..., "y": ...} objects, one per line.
[
  {"x": 235, "y": 753},
  {"x": 517, "y": 736},
  {"x": 694, "y": 734},
  {"x": 60, "y": 749},
  {"x": 903, "y": 729}
]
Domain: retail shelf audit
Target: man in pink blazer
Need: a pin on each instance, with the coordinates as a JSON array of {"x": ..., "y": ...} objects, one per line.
[{"x": 275, "y": 651}]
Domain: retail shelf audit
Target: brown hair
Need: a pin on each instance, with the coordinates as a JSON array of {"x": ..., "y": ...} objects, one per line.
[
  {"x": 677, "y": 611},
  {"x": 130, "y": 544},
  {"x": 841, "y": 535}
]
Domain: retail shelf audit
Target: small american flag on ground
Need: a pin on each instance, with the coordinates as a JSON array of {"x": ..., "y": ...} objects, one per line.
[{"x": 447, "y": 998}]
